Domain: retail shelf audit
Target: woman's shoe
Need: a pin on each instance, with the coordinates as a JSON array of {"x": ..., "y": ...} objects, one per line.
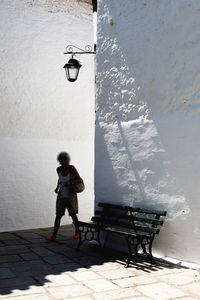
[
  {"x": 51, "y": 238},
  {"x": 76, "y": 236}
]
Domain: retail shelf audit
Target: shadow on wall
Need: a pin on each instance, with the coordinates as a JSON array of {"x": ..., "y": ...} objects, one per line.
[
  {"x": 131, "y": 168},
  {"x": 106, "y": 183}
]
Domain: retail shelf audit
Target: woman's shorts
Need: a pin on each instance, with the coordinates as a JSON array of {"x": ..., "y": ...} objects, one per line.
[{"x": 70, "y": 203}]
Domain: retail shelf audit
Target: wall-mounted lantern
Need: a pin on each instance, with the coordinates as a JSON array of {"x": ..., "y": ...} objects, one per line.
[
  {"x": 72, "y": 69},
  {"x": 73, "y": 66}
]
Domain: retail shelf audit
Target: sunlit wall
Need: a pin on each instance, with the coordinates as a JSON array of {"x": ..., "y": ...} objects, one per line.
[
  {"x": 41, "y": 113},
  {"x": 148, "y": 115}
]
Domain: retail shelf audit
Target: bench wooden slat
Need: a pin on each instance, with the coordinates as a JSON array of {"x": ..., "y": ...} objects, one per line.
[
  {"x": 149, "y": 221},
  {"x": 121, "y": 230},
  {"x": 86, "y": 224},
  {"x": 112, "y": 222},
  {"x": 147, "y": 229},
  {"x": 147, "y": 211},
  {"x": 133, "y": 209},
  {"x": 126, "y": 225},
  {"x": 129, "y": 217},
  {"x": 114, "y": 206}
]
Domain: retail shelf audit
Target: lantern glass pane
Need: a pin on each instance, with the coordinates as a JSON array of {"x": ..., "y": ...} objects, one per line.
[{"x": 73, "y": 73}]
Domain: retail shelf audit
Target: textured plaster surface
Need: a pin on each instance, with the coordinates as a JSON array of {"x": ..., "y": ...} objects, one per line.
[
  {"x": 148, "y": 113},
  {"x": 41, "y": 113},
  {"x": 81, "y": 9}
]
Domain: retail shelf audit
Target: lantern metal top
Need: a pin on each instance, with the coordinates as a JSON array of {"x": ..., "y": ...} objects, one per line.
[{"x": 73, "y": 63}]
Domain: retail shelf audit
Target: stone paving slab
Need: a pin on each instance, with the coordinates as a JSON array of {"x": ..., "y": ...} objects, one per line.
[
  {"x": 57, "y": 248},
  {"x": 16, "y": 248},
  {"x": 160, "y": 291},
  {"x": 31, "y": 297},
  {"x": 29, "y": 235},
  {"x": 42, "y": 251},
  {"x": 55, "y": 280},
  {"x": 36, "y": 241},
  {"x": 8, "y": 236},
  {"x": 6, "y": 273},
  {"x": 9, "y": 258},
  {"x": 24, "y": 291},
  {"x": 15, "y": 242},
  {"x": 189, "y": 298},
  {"x": 30, "y": 266},
  {"x": 80, "y": 298},
  {"x": 100, "y": 285},
  {"x": 116, "y": 294},
  {"x": 182, "y": 278},
  {"x": 87, "y": 260},
  {"x": 137, "y": 298},
  {"x": 69, "y": 267},
  {"x": 134, "y": 280},
  {"x": 56, "y": 259},
  {"x": 107, "y": 266},
  {"x": 17, "y": 282},
  {"x": 193, "y": 288},
  {"x": 83, "y": 276},
  {"x": 33, "y": 269},
  {"x": 29, "y": 256},
  {"x": 116, "y": 274},
  {"x": 43, "y": 244},
  {"x": 69, "y": 291},
  {"x": 72, "y": 253}
]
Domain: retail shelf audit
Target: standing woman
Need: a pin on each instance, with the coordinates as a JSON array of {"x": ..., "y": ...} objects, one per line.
[{"x": 67, "y": 175}]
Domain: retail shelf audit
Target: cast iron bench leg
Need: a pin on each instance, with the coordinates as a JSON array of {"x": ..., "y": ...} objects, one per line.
[
  {"x": 129, "y": 252},
  {"x": 98, "y": 238},
  {"x": 149, "y": 255},
  {"x": 132, "y": 248},
  {"x": 79, "y": 241}
]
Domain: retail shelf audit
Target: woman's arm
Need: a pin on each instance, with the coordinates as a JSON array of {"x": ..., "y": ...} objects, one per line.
[
  {"x": 58, "y": 183},
  {"x": 57, "y": 188}
]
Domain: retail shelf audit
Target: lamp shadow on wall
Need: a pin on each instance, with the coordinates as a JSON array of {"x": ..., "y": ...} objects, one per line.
[
  {"x": 106, "y": 183},
  {"x": 156, "y": 186},
  {"x": 132, "y": 167},
  {"x": 132, "y": 164},
  {"x": 151, "y": 180}
]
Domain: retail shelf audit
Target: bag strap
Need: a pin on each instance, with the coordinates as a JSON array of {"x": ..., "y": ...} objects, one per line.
[{"x": 74, "y": 173}]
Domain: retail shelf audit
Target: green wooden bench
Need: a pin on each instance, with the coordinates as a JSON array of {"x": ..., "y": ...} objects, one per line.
[{"x": 139, "y": 226}]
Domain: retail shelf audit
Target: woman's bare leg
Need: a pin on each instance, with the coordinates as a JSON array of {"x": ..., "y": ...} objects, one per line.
[
  {"x": 75, "y": 222},
  {"x": 57, "y": 225}
]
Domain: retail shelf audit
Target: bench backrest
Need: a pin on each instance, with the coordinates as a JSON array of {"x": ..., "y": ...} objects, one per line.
[{"x": 145, "y": 221}]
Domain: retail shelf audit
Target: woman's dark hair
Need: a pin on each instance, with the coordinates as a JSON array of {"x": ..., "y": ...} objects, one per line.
[{"x": 62, "y": 155}]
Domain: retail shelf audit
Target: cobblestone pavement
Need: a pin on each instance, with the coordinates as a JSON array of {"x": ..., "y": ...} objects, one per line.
[{"x": 32, "y": 268}]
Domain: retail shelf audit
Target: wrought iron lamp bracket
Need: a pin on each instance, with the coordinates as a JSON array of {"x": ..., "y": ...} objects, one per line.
[{"x": 71, "y": 49}]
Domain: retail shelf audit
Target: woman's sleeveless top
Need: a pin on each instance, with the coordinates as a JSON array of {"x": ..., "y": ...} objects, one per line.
[{"x": 64, "y": 189}]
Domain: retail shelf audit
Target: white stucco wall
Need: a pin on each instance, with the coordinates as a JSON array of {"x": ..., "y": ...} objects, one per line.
[
  {"x": 41, "y": 112},
  {"x": 148, "y": 114}
]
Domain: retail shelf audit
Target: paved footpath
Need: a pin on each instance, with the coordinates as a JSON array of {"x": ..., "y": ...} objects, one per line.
[{"x": 32, "y": 268}]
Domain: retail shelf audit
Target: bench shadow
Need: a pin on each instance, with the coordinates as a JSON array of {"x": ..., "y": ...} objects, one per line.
[{"x": 28, "y": 262}]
